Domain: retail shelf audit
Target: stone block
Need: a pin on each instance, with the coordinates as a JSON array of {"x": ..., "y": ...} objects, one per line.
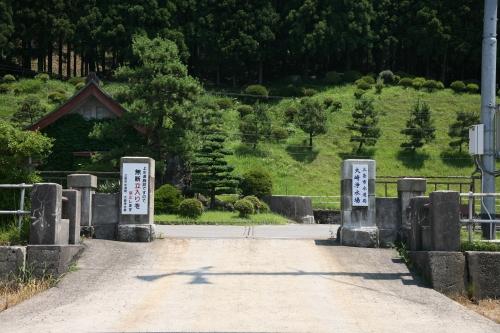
[
  {"x": 52, "y": 260},
  {"x": 47, "y": 226},
  {"x": 387, "y": 237},
  {"x": 418, "y": 216},
  {"x": 71, "y": 210},
  {"x": 326, "y": 216},
  {"x": 443, "y": 271},
  {"x": 484, "y": 274},
  {"x": 136, "y": 232},
  {"x": 426, "y": 237},
  {"x": 445, "y": 220},
  {"x": 387, "y": 214},
  {"x": 105, "y": 215},
  {"x": 294, "y": 208},
  {"x": 359, "y": 237},
  {"x": 346, "y": 168},
  {"x": 77, "y": 181},
  {"x": 12, "y": 260},
  {"x": 418, "y": 185}
]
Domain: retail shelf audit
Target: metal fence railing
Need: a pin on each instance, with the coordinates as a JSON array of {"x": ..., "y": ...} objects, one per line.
[
  {"x": 20, "y": 212},
  {"x": 471, "y": 217},
  {"x": 60, "y": 177},
  {"x": 434, "y": 183}
]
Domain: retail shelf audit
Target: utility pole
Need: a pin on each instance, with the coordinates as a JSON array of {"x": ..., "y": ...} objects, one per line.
[{"x": 488, "y": 107}]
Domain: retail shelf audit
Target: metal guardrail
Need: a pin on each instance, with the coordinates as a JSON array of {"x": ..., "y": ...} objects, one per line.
[
  {"x": 20, "y": 212},
  {"x": 471, "y": 220}
]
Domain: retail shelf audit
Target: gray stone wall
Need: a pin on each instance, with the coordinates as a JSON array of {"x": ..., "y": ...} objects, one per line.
[
  {"x": 388, "y": 220},
  {"x": 53, "y": 260},
  {"x": 105, "y": 215},
  {"x": 484, "y": 274},
  {"x": 326, "y": 216},
  {"x": 12, "y": 260},
  {"x": 298, "y": 209}
]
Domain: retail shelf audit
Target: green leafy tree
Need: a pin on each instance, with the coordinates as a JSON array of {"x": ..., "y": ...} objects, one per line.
[
  {"x": 211, "y": 174},
  {"x": 29, "y": 112},
  {"x": 364, "y": 127},
  {"x": 419, "y": 127},
  {"x": 459, "y": 130},
  {"x": 312, "y": 118},
  {"x": 255, "y": 127}
]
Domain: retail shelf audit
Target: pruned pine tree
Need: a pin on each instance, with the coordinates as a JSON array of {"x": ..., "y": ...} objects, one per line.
[
  {"x": 211, "y": 174},
  {"x": 419, "y": 128},
  {"x": 29, "y": 112},
  {"x": 256, "y": 126},
  {"x": 312, "y": 118},
  {"x": 459, "y": 130},
  {"x": 364, "y": 127}
]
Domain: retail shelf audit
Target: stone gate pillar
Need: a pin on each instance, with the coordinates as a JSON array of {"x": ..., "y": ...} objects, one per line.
[
  {"x": 408, "y": 188},
  {"x": 86, "y": 184},
  {"x": 359, "y": 226}
]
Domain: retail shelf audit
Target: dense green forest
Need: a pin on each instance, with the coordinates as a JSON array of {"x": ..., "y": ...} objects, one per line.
[{"x": 237, "y": 42}]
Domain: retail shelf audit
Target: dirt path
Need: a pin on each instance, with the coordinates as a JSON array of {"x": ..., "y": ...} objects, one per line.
[{"x": 239, "y": 285}]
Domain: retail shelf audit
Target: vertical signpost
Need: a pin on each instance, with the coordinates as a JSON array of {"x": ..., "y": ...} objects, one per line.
[{"x": 137, "y": 199}]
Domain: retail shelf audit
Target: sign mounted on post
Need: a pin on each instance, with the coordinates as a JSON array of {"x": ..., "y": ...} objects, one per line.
[
  {"x": 135, "y": 188},
  {"x": 360, "y": 185}
]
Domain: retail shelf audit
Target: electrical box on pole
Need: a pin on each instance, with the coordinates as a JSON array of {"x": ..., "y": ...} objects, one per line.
[{"x": 476, "y": 139}]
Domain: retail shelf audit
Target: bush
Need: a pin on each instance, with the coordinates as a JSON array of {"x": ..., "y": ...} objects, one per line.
[
  {"x": 430, "y": 85},
  {"x": 406, "y": 82},
  {"x": 57, "y": 97},
  {"x": 4, "y": 88},
  {"x": 9, "y": 78},
  {"x": 379, "y": 86},
  {"x": 418, "y": 82},
  {"x": 245, "y": 110},
  {"x": 290, "y": 113},
  {"x": 336, "y": 106},
  {"x": 388, "y": 77},
  {"x": 79, "y": 86},
  {"x": 28, "y": 87},
  {"x": 359, "y": 93},
  {"x": 458, "y": 86},
  {"x": 279, "y": 134},
  {"x": 440, "y": 85},
  {"x": 225, "y": 103},
  {"x": 244, "y": 207},
  {"x": 256, "y": 182},
  {"x": 363, "y": 85},
  {"x": 191, "y": 208},
  {"x": 351, "y": 76},
  {"x": 42, "y": 77},
  {"x": 328, "y": 101},
  {"x": 369, "y": 79},
  {"x": 397, "y": 78},
  {"x": 472, "y": 88},
  {"x": 308, "y": 92},
  {"x": 333, "y": 78},
  {"x": 167, "y": 199},
  {"x": 257, "y": 89},
  {"x": 258, "y": 205},
  {"x": 75, "y": 80}
]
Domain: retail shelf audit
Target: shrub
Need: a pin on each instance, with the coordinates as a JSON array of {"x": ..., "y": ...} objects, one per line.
[
  {"x": 42, "y": 77},
  {"x": 75, "y": 80},
  {"x": 9, "y": 78},
  {"x": 430, "y": 85},
  {"x": 308, "y": 92},
  {"x": 279, "y": 134},
  {"x": 397, "y": 78},
  {"x": 244, "y": 207},
  {"x": 258, "y": 205},
  {"x": 388, "y": 76},
  {"x": 472, "y": 88},
  {"x": 359, "y": 93},
  {"x": 28, "y": 87},
  {"x": 336, "y": 106},
  {"x": 379, "y": 86},
  {"x": 57, "y": 97},
  {"x": 363, "y": 85},
  {"x": 191, "y": 208},
  {"x": 328, "y": 101},
  {"x": 167, "y": 199},
  {"x": 418, "y": 82},
  {"x": 458, "y": 86},
  {"x": 245, "y": 110},
  {"x": 290, "y": 113},
  {"x": 369, "y": 79},
  {"x": 79, "y": 86},
  {"x": 406, "y": 82},
  {"x": 225, "y": 103},
  {"x": 333, "y": 78},
  {"x": 351, "y": 76},
  {"x": 4, "y": 88},
  {"x": 440, "y": 85},
  {"x": 256, "y": 182},
  {"x": 257, "y": 89}
]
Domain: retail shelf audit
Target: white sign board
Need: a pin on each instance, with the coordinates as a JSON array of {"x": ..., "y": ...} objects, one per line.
[
  {"x": 135, "y": 188},
  {"x": 360, "y": 185}
]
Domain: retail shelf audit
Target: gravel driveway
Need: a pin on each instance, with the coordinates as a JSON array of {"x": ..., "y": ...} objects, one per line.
[{"x": 240, "y": 284}]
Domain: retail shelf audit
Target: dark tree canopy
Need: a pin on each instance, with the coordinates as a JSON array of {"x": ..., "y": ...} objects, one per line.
[
  {"x": 364, "y": 126},
  {"x": 419, "y": 127},
  {"x": 459, "y": 130}
]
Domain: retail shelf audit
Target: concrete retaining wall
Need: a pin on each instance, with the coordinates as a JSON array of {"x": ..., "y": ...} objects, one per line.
[
  {"x": 298, "y": 209},
  {"x": 327, "y": 216},
  {"x": 388, "y": 219},
  {"x": 105, "y": 215},
  {"x": 12, "y": 260},
  {"x": 51, "y": 259},
  {"x": 484, "y": 274}
]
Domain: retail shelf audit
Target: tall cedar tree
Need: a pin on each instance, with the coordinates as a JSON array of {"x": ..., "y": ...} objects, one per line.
[
  {"x": 459, "y": 130},
  {"x": 419, "y": 128},
  {"x": 312, "y": 118},
  {"x": 211, "y": 174},
  {"x": 256, "y": 126},
  {"x": 364, "y": 126}
]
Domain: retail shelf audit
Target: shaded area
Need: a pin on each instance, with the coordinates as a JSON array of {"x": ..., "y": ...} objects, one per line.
[
  {"x": 246, "y": 150},
  {"x": 412, "y": 159},
  {"x": 456, "y": 158},
  {"x": 302, "y": 154},
  {"x": 354, "y": 154}
]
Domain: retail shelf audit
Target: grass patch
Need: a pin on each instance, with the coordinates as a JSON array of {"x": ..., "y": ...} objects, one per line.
[
  {"x": 477, "y": 244},
  {"x": 222, "y": 218},
  {"x": 11, "y": 235},
  {"x": 490, "y": 308}
]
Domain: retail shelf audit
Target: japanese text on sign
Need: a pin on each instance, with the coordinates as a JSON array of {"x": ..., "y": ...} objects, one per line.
[
  {"x": 135, "y": 188},
  {"x": 360, "y": 185}
]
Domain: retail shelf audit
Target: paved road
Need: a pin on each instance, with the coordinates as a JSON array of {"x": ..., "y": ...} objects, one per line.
[{"x": 240, "y": 285}]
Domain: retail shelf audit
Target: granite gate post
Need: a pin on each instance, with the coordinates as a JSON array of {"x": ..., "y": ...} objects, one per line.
[
  {"x": 86, "y": 184},
  {"x": 359, "y": 226},
  {"x": 137, "y": 199},
  {"x": 408, "y": 188}
]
